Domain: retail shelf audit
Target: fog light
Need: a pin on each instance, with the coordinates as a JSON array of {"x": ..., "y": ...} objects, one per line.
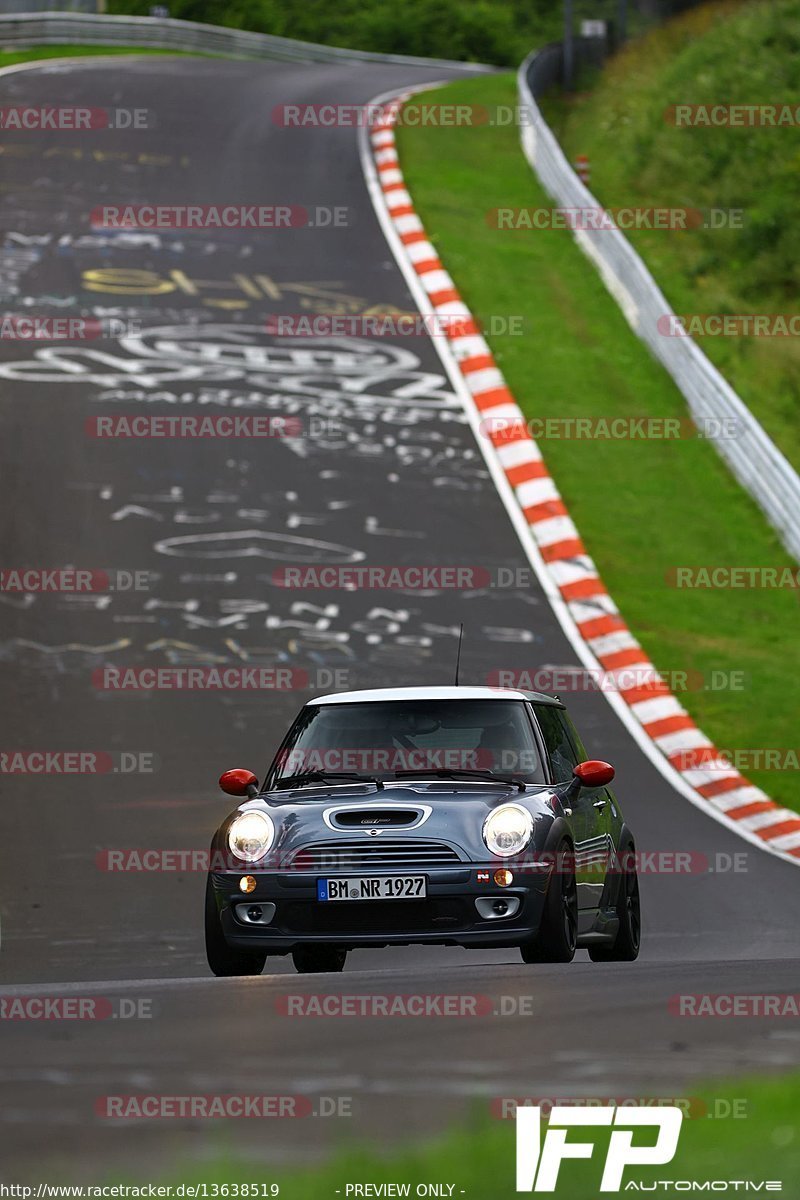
[
  {"x": 247, "y": 884},
  {"x": 503, "y": 877},
  {"x": 500, "y": 907},
  {"x": 255, "y": 914}
]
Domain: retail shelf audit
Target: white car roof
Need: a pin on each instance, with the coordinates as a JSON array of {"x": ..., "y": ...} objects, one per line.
[{"x": 423, "y": 693}]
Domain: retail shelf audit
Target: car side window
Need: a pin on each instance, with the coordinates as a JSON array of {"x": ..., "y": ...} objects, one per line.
[
  {"x": 560, "y": 750},
  {"x": 573, "y": 735}
]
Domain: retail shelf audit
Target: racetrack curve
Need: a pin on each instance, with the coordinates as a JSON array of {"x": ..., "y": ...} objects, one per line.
[{"x": 400, "y": 480}]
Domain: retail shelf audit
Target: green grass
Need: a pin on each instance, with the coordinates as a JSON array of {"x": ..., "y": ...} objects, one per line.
[
  {"x": 638, "y": 158},
  {"x": 8, "y": 59},
  {"x": 479, "y": 1157},
  {"x": 642, "y": 507}
]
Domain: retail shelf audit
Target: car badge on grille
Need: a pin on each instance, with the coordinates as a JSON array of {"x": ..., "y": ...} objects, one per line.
[{"x": 373, "y": 832}]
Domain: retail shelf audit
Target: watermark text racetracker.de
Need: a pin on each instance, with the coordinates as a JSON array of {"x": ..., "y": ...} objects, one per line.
[
  {"x": 25, "y": 327},
  {"x": 225, "y": 426},
  {"x": 626, "y": 219},
  {"x": 633, "y": 678},
  {"x": 733, "y": 577},
  {"x": 41, "y": 1007},
  {"x": 507, "y": 430},
  {"x": 219, "y": 679},
  {"x": 504, "y": 1108},
  {"x": 220, "y": 216},
  {"x": 394, "y": 325},
  {"x": 415, "y": 114},
  {"x": 742, "y": 1005},
  {"x": 77, "y": 762},
  {"x": 221, "y": 1106},
  {"x": 414, "y": 1005},
  {"x": 770, "y": 325},
  {"x": 380, "y": 577},
  {"x": 27, "y": 580},
  {"x": 733, "y": 116},
  {"x": 66, "y": 118}
]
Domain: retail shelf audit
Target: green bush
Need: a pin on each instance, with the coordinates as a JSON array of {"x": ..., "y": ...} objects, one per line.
[
  {"x": 492, "y": 31},
  {"x": 729, "y": 53}
]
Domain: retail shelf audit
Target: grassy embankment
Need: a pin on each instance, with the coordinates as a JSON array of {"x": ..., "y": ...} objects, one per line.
[{"x": 643, "y": 507}]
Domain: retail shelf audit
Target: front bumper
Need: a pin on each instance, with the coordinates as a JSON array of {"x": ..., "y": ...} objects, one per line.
[{"x": 447, "y": 916}]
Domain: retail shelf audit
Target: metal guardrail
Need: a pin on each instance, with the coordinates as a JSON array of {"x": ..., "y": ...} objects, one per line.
[
  {"x": 753, "y": 457},
  {"x": 168, "y": 33}
]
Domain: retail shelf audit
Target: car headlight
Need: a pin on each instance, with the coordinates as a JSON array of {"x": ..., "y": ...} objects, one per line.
[
  {"x": 251, "y": 835},
  {"x": 507, "y": 830}
]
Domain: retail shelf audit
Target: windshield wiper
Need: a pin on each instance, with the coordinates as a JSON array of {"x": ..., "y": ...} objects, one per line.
[
  {"x": 328, "y": 777},
  {"x": 448, "y": 773}
]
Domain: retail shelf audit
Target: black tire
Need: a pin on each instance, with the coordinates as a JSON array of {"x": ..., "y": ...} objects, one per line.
[
  {"x": 222, "y": 958},
  {"x": 626, "y": 944},
  {"x": 558, "y": 932},
  {"x": 311, "y": 960}
]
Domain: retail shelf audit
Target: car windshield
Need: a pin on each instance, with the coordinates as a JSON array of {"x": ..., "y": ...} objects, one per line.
[{"x": 381, "y": 740}]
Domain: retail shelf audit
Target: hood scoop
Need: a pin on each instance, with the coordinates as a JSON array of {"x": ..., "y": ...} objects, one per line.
[{"x": 375, "y": 816}]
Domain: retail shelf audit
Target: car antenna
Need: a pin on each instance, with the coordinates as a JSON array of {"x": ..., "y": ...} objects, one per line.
[{"x": 458, "y": 656}]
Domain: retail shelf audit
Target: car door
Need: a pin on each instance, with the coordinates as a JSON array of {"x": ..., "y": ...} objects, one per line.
[
  {"x": 589, "y": 818},
  {"x": 599, "y": 805}
]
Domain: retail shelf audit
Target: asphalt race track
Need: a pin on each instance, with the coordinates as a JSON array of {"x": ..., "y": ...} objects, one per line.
[{"x": 388, "y": 471}]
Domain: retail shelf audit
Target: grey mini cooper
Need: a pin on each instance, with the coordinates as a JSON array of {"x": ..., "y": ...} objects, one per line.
[{"x": 462, "y": 816}]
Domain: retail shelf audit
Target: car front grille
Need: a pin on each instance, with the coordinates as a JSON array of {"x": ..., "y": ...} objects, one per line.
[{"x": 378, "y": 853}]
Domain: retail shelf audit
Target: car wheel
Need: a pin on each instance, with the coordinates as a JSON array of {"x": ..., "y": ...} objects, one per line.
[
  {"x": 222, "y": 958},
  {"x": 625, "y": 947},
  {"x": 558, "y": 932},
  {"x": 309, "y": 960}
]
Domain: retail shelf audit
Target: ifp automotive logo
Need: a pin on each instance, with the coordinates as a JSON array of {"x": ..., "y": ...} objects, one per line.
[{"x": 538, "y": 1162}]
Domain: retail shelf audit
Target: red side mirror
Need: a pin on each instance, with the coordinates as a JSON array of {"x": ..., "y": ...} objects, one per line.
[
  {"x": 238, "y": 782},
  {"x": 594, "y": 773}
]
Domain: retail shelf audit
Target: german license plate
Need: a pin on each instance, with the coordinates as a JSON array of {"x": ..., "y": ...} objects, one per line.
[{"x": 373, "y": 887}]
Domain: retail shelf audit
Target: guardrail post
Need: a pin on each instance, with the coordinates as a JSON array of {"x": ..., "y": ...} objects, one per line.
[{"x": 569, "y": 47}]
